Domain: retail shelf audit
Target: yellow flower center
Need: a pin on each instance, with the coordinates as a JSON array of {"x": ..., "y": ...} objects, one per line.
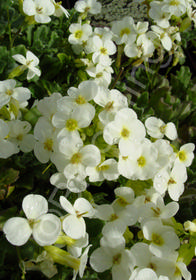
[
  {"x": 141, "y": 161},
  {"x": 48, "y": 144},
  {"x": 162, "y": 129},
  {"x": 19, "y": 137},
  {"x": 76, "y": 158},
  {"x": 122, "y": 201},
  {"x": 99, "y": 75},
  {"x": 124, "y": 31},
  {"x": 71, "y": 124},
  {"x": 157, "y": 239},
  {"x": 113, "y": 217},
  {"x": 116, "y": 259},
  {"x": 171, "y": 181},
  {"x": 182, "y": 156},
  {"x": 9, "y": 92},
  {"x": 174, "y": 3},
  {"x": 109, "y": 106},
  {"x": 103, "y": 51},
  {"x": 39, "y": 10},
  {"x": 102, "y": 168},
  {"x": 125, "y": 133},
  {"x": 80, "y": 100},
  {"x": 78, "y": 34}
]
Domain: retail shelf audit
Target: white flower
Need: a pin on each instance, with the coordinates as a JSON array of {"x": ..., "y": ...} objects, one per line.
[
  {"x": 186, "y": 155},
  {"x": 59, "y": 9},
  {"x": 174, "y": 7},
  {"x": 48, "y": 105},
  {"x": 158, "y": 209},
  {"x": 163, "y": 238},
  {"x": 157, "y": 128},
  {"x": 138, "y": 161},
  {"x": 40, "y": 9},
  {"x": 8, "y": 90},
  {"x": 172, "y": 181},
  {"x": 124, "y": 30},
  {"x": 80, "y": 33},
  {"x": 79, "y": 97},
  {"x": 44, "y": 227},
  {"x": 158, "y": 15},
  {"x": 30, "y": 62},
  {"x": 46, "y": 142},
  {"x": 144, "y": 258},
  {"x": 111, "y": 101},
  {"x": 101, "y": 49},
  {"x": 6, "y": 147},
  {"x": 101, "y": 74},
  {"x": 116, "y": 218},
  {"x": 163, "y": 36},
  {"x": 112, "y": 254},
  {"x": 78, "y": 156},
  {"x": 106, "y": 170},
  {"x": 125, "y": 127},
  {"x": 88, "y": 6},
  {"x": 19, "y": 135},
  {"x": 74, "y": 224},
  {"x": 83, "y": 262}
]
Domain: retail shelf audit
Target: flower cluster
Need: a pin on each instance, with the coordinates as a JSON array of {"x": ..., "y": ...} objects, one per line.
[{"x": 92, "y": 135}]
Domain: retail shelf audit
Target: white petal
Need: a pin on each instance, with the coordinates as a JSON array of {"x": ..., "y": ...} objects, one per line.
[
  {"x": 83, "y": 207},
  {"x": 46, "y": 229},
  {"x": 29, "y": 7},
  {"x": 146, "y": 274},
  {"x": 34, "y": 205},
  {"x": 21, "y": 94},
  {"x": 91, "y": 155},
  {"x": 17, "y": 231},
  {"x": 66, "y": 205},
  {"x": 74, "y": 227},
  {"x": 27, "y": 143},
  {"x": 170, "y": 131},
  {"x": 100, "y": 261},
  {"x": 59, "y": 181},
  {"x": 7, "y": 149},
  {"x": 20, "y": 58},
  {"x": 43, "y": 155}
]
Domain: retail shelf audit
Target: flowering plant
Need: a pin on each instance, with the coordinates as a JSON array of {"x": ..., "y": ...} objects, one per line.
[{"x": 98, "y": 165}]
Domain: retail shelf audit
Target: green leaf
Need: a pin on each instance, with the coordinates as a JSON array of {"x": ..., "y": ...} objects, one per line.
[
  {"x": 8, "y": 176},
  {"x": 187, "y": 251},
  {"x": 139, "y": 186}
]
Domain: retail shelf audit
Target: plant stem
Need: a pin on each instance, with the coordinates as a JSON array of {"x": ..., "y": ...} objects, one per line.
[{"x": 117, "y": 78}]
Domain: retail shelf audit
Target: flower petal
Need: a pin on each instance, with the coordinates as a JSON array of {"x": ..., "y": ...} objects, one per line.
[
  {"x": 47, "y": 229},
  {"x": 74, "y": 227},
  {"x": 17, "y": 231},
  {"x": 34, "y": 205}
]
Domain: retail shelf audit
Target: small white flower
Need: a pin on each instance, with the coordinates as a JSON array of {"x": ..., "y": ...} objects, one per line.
[
  {"x": 19, "y": 135},
  {"x": 163, "y": 238},
  {"x": 59, "y": 9},
  {"x": 74, "y": 224},
  {"x": 124, "y": 30},
  {"x": 30, "y": 62},
  {"x": 163, "y": 36},
  {"x": 111, "y": 101},
  {"x": 106, "y": 170},
  {"x": 172, "y": 181},
  {"x": 44, "y": 227},
  {"x": 125, "y": 128},
  {"x": 8, "y": 90},
  {"x": 88, "y": 6},
  {"x": 46, "y": 143},
  {"x": 80, "y": 33},
  {"x": 40, "y": 9},
  {"x": 157, "y": 128},
  {"x": 6, "y": 147},
  {"x": 186, "y": 155},
  {"x": 112, "y": 254}
]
